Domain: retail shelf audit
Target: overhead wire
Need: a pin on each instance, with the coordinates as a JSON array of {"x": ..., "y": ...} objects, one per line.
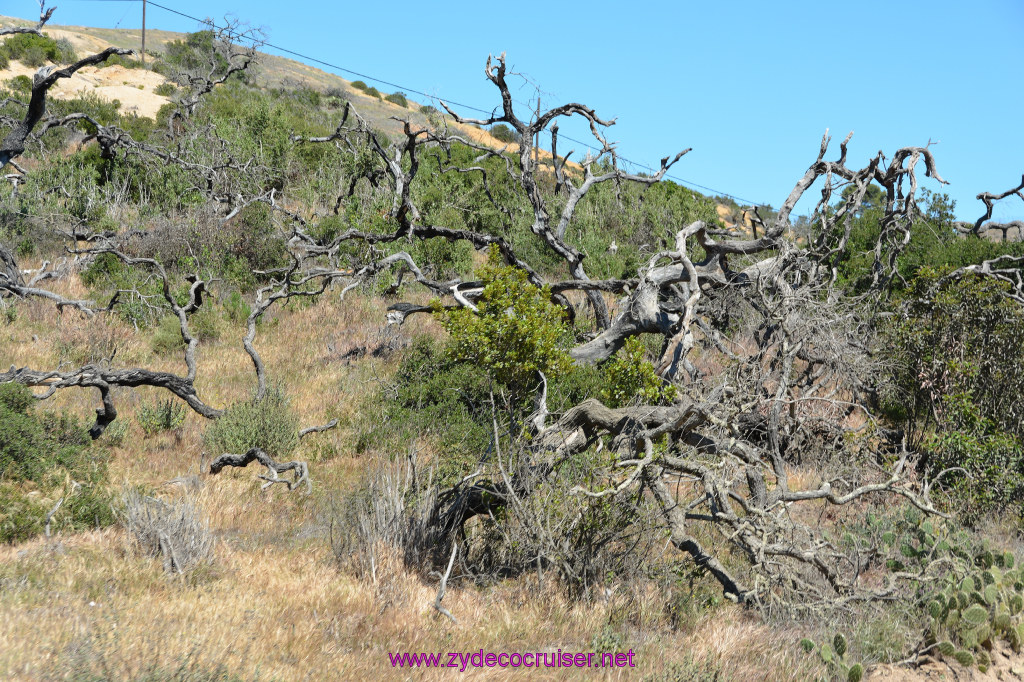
[{"x": 414, "y": 91}]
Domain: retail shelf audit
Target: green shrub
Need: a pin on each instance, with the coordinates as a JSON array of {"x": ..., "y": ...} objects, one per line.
[
  {"x": 360, "y": 85},
  {"x": 31, "y": 49},
  {"x": 373, "y": 92},
  {"x": 517, "y": 331},
  {"x": 428, "y": 110},
  {"x": 166, "y": 337},
  {"x": 445, "y": 258},
  {"x": 327, "y": 228},
  {"x": 4, "y": 61},
  {"x": 121, "y": 60},
  {"x": 30, "y": 445},
  {"x": 956, "y": 355},
  {"x": 52, "y": 456},
  {"x": 631, "y": 377},
  {"x": 163, "y": 415},
  {"x": 20, "y": 84},
  {"x": 21, "y": 516},
  {"x": 67, "y": 51},
  {"x": 399, "y": 99},
  {"x": 165, "y": 89},
  {"x": 269, "y": 424},
  {"x": 503, "y": 133},
  {"x": 34, "y": 56},
  {"x": 236, "y": 308},
  {"x": 197, "y": 51},
  {"x": 15, "y": 397},
  {"x": 436, "y": 397},
  {"x": 205, "y": 324},
  {"x": 255, "y": 241}
]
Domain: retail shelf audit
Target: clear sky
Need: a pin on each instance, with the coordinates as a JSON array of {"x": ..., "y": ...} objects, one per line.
[{"x": 751, "y": 86}]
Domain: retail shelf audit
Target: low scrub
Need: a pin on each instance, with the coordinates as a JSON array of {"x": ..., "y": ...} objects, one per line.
[
  {"x": 174, "y": 531},
  {"x": 269, "y": 424},
  {"x": 36, "y": 50},
  {"x": 399, "y": 99},
  {"x": 163, "y": 415},
  {"x": 49, "y": 470}
]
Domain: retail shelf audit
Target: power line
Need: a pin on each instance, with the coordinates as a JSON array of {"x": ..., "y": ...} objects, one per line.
[{"x": 414, "y": 91}]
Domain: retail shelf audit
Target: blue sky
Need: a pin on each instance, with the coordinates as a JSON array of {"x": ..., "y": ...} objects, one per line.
[{"x": 751, "y": 86}]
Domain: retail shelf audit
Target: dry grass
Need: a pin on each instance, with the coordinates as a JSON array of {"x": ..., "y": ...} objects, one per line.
[{"x": 275, "y": 602}]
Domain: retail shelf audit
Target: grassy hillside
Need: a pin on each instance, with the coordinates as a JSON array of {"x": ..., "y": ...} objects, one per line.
[
  {"x": 537, "y": 415},
  {"x": 274, "y": 72}
]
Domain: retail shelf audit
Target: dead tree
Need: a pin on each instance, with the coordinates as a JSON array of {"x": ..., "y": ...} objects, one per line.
[
  {"x": 227, "y": 59},
  {"x": 14, "y": 144},
  {"x": 44, "y": 16},
  {"x": 801, "y": 364},
  {"x": 274, "y": 469},
  {"x": 789, "y": 382},
  {"x": 985, "y": 222}
]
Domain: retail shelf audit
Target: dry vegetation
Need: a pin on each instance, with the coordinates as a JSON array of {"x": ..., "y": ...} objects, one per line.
[
  {"x": 716, "y": 437},
  {"x": 276, "y": 602}
]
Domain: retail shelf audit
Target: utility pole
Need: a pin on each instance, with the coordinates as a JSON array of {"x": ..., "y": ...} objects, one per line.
[
  {"x": 143, "y": 32},
  {"x": 536, "y": 139}
]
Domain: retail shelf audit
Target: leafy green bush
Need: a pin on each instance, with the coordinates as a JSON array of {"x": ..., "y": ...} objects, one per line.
[
  {"x": 206, "y": 323},
  {"x": 444, "y": 258},
  {"x": 269, "y": 424},
  {"x": 121, "y": 60},
  {"x": 107, "y": 274},
  {"x": 34, "y": 56},
  {"x": 163, "y": 415},
  {"x": 30, "y": 446},
  {"x": 67, "y": 51},
  {"x": 236, "y": 308},
  {"x": 196, "y": 51},
  {"x": 166, "y": 337},
  {"x": 20, "y": 84},
  {"x": 517, "y": 331},
  {"x": 956, "y": 357},
  {"x": 503, "y": 133},
  {"x": 165, "y": 89},
  {"x": 631, "y": 377},
  {"x": 50, "y": 455},
  {"x": 255, "y": 240},
  {"x": 373, "y": 92},
  {"x": 360, "y": 85},
  {"x": 432, "y": 396},
  {"x": 31, "y": 49},
  {"x": 399, "y": 99}
]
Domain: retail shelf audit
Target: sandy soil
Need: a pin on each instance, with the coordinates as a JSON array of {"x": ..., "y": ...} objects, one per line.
[{"x": 133, "y": 87}]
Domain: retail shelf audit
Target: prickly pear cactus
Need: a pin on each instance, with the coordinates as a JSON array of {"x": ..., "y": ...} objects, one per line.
[
  {"x": 980, "y": 600},
  {"x": 834, "y": 657},
  {"x": 970, "y": 595}
]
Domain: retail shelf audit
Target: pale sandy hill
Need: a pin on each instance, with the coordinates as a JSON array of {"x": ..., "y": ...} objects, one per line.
[
  {"x": 274, "y": 71},
  {"x": 132, "y": 87}
]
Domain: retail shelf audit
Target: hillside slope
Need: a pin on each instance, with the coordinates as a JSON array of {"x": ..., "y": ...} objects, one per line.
[{"x": 134, "y": 87}]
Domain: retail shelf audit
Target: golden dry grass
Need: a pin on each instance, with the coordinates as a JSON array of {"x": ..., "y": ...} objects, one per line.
[{"x": 275, "y": 603}]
